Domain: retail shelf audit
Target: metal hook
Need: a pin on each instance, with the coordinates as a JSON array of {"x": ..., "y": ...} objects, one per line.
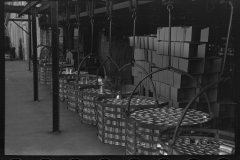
[
  {"x": 168, "y": 7},
  {"x": 134, "y": 15}
]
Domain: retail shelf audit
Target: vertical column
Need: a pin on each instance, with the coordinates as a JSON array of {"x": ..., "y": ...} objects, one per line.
[
  {"x": 34, "y": 43},
  {"x": 55, "y": 64},
  {"x": 2, "y": 82},
  {"x": 30, "y": 40}
]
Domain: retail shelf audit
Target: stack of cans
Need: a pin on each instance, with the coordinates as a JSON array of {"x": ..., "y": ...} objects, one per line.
[
  {"x": 72, "y": 95},
  {"x": 87, "y": 101},
  {"x": 63, "y": 85},
  {"x": 73, "y": 88},
  {"x": 111, "y": 117},
  {"x": 197, "y": 145},
  {"x": 144, "y": 126},
  {"x": 44, "y": 74}
]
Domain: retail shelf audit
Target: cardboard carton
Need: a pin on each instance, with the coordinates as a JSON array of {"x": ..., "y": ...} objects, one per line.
[
  {"x": 211, "y": 93},
  {"x": 170, "y": 77},
  {"x": 165, "y": 48},
  {"x": 172, "y": 48},
  {"x": 195, "y": 66},
  {"x": 183, "y": 81},
  {"x": 213, "y": 65},
  {"x": 182, "y": 94},
  {"x": 192, "y": 34},
  {"x": 175, "y": 62},
  {"x": 174, "y": 34}
]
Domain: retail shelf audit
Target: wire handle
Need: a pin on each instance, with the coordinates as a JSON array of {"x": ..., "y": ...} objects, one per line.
[
  {"x": 104, "y": 62},
  {"x": 158, "y": 70}
]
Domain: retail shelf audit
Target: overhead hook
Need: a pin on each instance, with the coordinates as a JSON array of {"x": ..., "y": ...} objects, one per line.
[{"x": 169, "y": 7}]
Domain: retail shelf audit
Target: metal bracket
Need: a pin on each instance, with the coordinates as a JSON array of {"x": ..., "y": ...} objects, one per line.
[
  {"x": 109, "y": 7},
  {"x": 133, "y": 5},
  {"x": 90, "y": 4}
]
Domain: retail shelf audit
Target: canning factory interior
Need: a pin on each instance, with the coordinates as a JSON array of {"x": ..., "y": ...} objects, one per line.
[{"x": 121, "y": 77}]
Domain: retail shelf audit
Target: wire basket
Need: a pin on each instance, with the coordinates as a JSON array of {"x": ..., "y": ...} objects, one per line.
[
  {"x": 143, "y": 127},
  {"x": 63, "y": 85},
  {"x": 73, "y": 89},
  {"x": 111, "y": 117},
  {"x": 45, "y": 73},
  {"x": 192, "y": 141},
  {"x": 87, "y": 100},
  {"x": 196, "y": 141}
]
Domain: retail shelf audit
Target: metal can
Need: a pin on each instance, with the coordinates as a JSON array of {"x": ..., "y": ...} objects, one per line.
[
  {"x": 110, "y": 142},
  {"x": 110, "y": 129},
  {"x": 117, "y": 137},
  {"x": 147, "y": 137},
  {"x": 117, "y": 143},
  {"x": 110, "y": 135},
  {"x": 118, "y": 109},
  {"x": 117, "y": 130},
  {"x": 114, "y": 123}
]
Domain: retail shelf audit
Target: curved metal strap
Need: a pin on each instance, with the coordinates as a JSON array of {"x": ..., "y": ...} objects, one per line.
[
  {"x": 108, "y": 58},
  {"x": 80, "y": 65},
  {"x": 228, "y": 35},
  {"x": 190, "y": 103},
  {"x": 185, "y": 73},
  {"x": 129, "y": 100}
]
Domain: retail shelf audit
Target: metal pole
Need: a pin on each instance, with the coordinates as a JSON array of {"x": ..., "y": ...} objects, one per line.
[
  {"x": 30, "y": 40},
  {"x": 34, "y": 43},
  {"x": 55, "y": 64}
]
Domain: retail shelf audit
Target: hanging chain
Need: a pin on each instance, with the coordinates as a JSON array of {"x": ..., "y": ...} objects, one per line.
[
  {"x": 169, "y": 8},
  {"x": 109, "y": 7},
  {"x": 78, "y": 24}
]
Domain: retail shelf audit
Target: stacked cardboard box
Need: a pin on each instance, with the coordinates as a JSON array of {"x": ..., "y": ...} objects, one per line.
[
  {"x": 189, "y": 53},
  {"x": 122, "y": 54}
]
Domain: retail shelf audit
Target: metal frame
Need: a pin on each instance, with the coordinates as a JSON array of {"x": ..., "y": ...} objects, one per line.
[
  {"x": 55, "y": 65},
  {"x": 34, "y": 43},
  {"x": 28, "y": 7}
]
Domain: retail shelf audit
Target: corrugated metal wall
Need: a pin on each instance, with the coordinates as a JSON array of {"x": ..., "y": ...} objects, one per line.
[{"x": 20, "y": 39}]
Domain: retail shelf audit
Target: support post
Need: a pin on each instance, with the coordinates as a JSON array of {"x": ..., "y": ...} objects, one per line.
[
  {"x": 55, "y": 65},
  {"x": 34, "y": 39},
  {"x": 30, "y": 41}
]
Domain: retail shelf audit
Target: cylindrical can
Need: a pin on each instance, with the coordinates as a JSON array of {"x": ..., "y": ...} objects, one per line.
[
  {"x": 110, "y": 129},
  {"x": 117, "y": 137},
  {"x": 117, "y": 130},
  {"x": 114, "y": 123}
]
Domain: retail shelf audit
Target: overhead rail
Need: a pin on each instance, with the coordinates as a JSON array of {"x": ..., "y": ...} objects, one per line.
[
  {"x": 114, "y": 7},
  {"x": 12, "y": 9},
  {"x": 27, "y": 8}
]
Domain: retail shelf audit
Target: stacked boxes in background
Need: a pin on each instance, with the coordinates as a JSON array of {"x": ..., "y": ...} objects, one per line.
[
  {"x": 189, "y": 53},
  {"x": 145, "y": 56},
  {"x": 122, "y": 54}
]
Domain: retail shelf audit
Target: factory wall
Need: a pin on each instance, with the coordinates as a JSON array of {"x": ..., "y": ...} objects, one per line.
[{"x": 19, "y": 38}]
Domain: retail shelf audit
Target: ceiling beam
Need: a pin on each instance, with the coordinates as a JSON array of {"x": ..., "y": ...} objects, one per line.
[
  {"x": 13, "y": 9},
  {"x": 115, "y": 7},
  {"x": 17, "y": 19},
  {"x": 27, "y": 7},
  {"x": 42, "y": 8}
]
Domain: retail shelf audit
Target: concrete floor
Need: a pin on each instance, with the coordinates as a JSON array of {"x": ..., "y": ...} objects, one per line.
[{"x": 28, "y": 125}]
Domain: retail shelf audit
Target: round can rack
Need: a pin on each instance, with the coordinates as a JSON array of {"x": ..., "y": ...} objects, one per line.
[
  {"x": 144, "y": 126},
  {"x": 111, "y": 117},
  {"x": 45, "y": 73},
  {"x": 72, "y": 92},
  {"x": 192, "y": 141},
  {"x": 63, "y": 85},
  {"x": 87, "y": 100}
]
